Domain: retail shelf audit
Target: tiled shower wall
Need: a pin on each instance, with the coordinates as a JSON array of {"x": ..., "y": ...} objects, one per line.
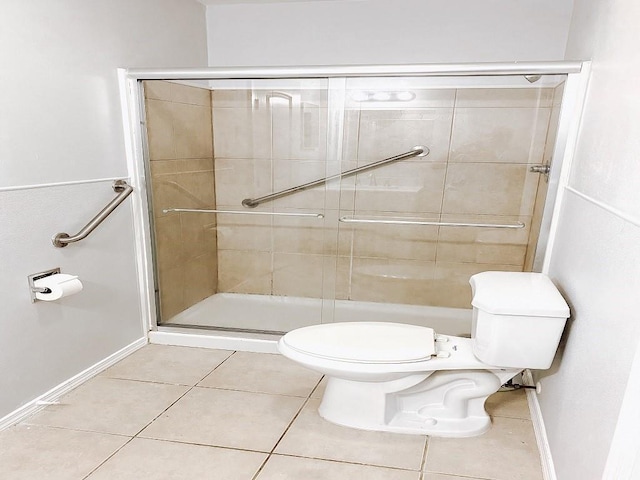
[
  {"x": 180, "y": 144},
  {"x": 482, "y": 143}
]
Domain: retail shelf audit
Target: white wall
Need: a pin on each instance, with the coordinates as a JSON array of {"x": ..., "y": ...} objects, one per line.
[
  {"x": 596, "y": 260},
  {"x": 383, "y": 31},
  {"x": 60, "y": 121}
]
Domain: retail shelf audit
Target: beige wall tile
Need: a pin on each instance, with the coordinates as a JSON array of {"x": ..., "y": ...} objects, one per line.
[
  {"x": 166, "y": 193},
  {"x": 384, "y": 134},
  {"x": 511, "y": 135},
  {"x": 401, "y": 187},
  {"x": 171, "y": 280},
  {"x": 191, "y": 95},
  {"x": 198, "y": 234},
  {"x": 237, "y": 179},
  {"x": 306, "y": 235},
  {"x": 168, "y": 241},
  {"x": 481, "y": 253},
  {"x": 297, "y": 275},
  {"x": 300, "y": 132},
  {"x": 489, "y": 189},
  {"x": 391, "y": 281},
  {"x": 192, "y": 131},
  {"x": 291, "y": 173},
  {"x": 200, "y": 278},
  {"x": 194, "y": 165},
  {"x": 196, "y": 190},
  {"x": 157, "y": 89},
  {"x": 242, "y": 98},
  {"x": 163, "y": 167},
  {"x": 504, "y": 97},
  {"x": 244, "y": 272},
  {"x": 343, "y": 278},
  {"x": 160, "y": 130},
  {"x": 242, "y": 132},
  {"x": 244, "y": 232},
  {"x": 395, "y": 241}
]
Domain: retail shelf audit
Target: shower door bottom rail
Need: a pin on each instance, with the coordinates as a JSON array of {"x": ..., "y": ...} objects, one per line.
[
  {"x": 243, "y": 212},
  {"x": 392, "y": 221}
]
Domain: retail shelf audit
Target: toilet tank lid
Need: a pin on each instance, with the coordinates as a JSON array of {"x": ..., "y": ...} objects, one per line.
[
  {"x": 364, "y": 342},
  {"x": 517, "y": 293}
]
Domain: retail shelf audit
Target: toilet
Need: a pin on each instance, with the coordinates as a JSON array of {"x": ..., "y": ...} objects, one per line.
[{"x": 409, "y": 379}]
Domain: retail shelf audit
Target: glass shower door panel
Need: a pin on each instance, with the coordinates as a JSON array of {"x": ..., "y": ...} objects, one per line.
[
  {"x": 270, "y": 136},
  {"x": 483, "y": 134}
]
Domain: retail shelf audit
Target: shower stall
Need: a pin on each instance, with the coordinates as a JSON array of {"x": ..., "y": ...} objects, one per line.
[{"x": 280, "y": 198}]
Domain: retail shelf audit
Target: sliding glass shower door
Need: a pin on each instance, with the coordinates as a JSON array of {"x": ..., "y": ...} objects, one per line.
[{"x": 272, "y": 209}]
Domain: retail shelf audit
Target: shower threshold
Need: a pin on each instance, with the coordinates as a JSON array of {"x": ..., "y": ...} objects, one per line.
[{"x": 275, "y": 315}]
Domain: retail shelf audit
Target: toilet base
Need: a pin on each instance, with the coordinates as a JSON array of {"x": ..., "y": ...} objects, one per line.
[{"x": 446, "y": 403}]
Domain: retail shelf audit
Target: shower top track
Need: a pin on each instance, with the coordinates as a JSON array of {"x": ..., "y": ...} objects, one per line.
[{"x": 329, "y": 71}]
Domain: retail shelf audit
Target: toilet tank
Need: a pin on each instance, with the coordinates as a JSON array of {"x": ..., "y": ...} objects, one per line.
[{"x": 518, "y": 318}]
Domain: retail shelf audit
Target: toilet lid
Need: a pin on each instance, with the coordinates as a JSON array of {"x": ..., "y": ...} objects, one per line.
[{"x": 364, "y": 342}]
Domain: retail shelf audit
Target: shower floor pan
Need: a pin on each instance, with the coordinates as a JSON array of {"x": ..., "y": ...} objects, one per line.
[{"x": 276, "y": 315}]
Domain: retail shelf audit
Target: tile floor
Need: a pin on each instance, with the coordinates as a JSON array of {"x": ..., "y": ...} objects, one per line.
[{"x": 188, "y": 413}]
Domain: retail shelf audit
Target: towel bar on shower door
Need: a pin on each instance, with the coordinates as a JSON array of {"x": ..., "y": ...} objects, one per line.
[
  {"x": 393, "y": 221},
  {"x": 123, "y": 189}
]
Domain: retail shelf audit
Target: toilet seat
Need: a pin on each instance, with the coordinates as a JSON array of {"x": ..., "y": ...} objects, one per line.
[{"x": 364, "y": 342}]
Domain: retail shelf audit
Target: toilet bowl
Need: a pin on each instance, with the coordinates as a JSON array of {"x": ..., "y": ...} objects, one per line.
[{"x": 409, "y": 379}]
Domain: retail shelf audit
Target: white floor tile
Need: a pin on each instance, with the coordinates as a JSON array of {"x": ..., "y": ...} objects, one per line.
[
  {"x": 168, "y": 364},
  {"x": 143, "y": 459},
  {"x": 506, "y": 452},
  {"x": 263, "y": 373},
  {"x": 252, "y": 421},
  {"x": 312, "y": 436},
  {"x": 110, "y": 405},
  {"x": 295, "y": 468},
  {"x": 35, "y": 452}
]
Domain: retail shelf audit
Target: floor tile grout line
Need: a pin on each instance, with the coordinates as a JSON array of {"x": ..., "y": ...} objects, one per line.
[
  {"x": 425, "y": 451},
  {"x": 346, "y": 462},
  {"x": 216, "y": 367},
  {"x": 304, "y": 404},
  {"x": 255, "y": 476},
  {"x": 251, "y": 391},
  {"x": 108, "y": 458},
  {"x": 223, "y": 447}
]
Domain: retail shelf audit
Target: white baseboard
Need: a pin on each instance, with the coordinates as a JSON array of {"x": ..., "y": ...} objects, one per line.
[
  {"x": 56, "y": 392},
  {"x": 257, "y": 345},
  {"x": 548, "y": 469}
]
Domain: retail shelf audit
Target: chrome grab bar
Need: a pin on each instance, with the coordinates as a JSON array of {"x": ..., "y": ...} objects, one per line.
[
  {"x": 417, "y": 151},
  {"x": 123, "y": 189},
  {"x": 243, "y": 212},
  {"x": 425, "y": 222}
]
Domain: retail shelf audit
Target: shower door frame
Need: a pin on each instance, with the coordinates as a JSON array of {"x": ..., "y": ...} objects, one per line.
[{"x": 132, "y": 102}]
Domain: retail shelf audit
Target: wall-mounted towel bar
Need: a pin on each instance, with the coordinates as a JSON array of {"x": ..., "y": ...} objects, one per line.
[
  {"x": 243, "y": 212},
  {"x": 123, "y": 189},
  {"x": 417, "y": 151},
  {"x": 393, "y": 221}
]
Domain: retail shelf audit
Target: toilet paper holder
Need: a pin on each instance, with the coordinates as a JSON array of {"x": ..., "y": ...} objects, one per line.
[{"x": 37, "y": 276}]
